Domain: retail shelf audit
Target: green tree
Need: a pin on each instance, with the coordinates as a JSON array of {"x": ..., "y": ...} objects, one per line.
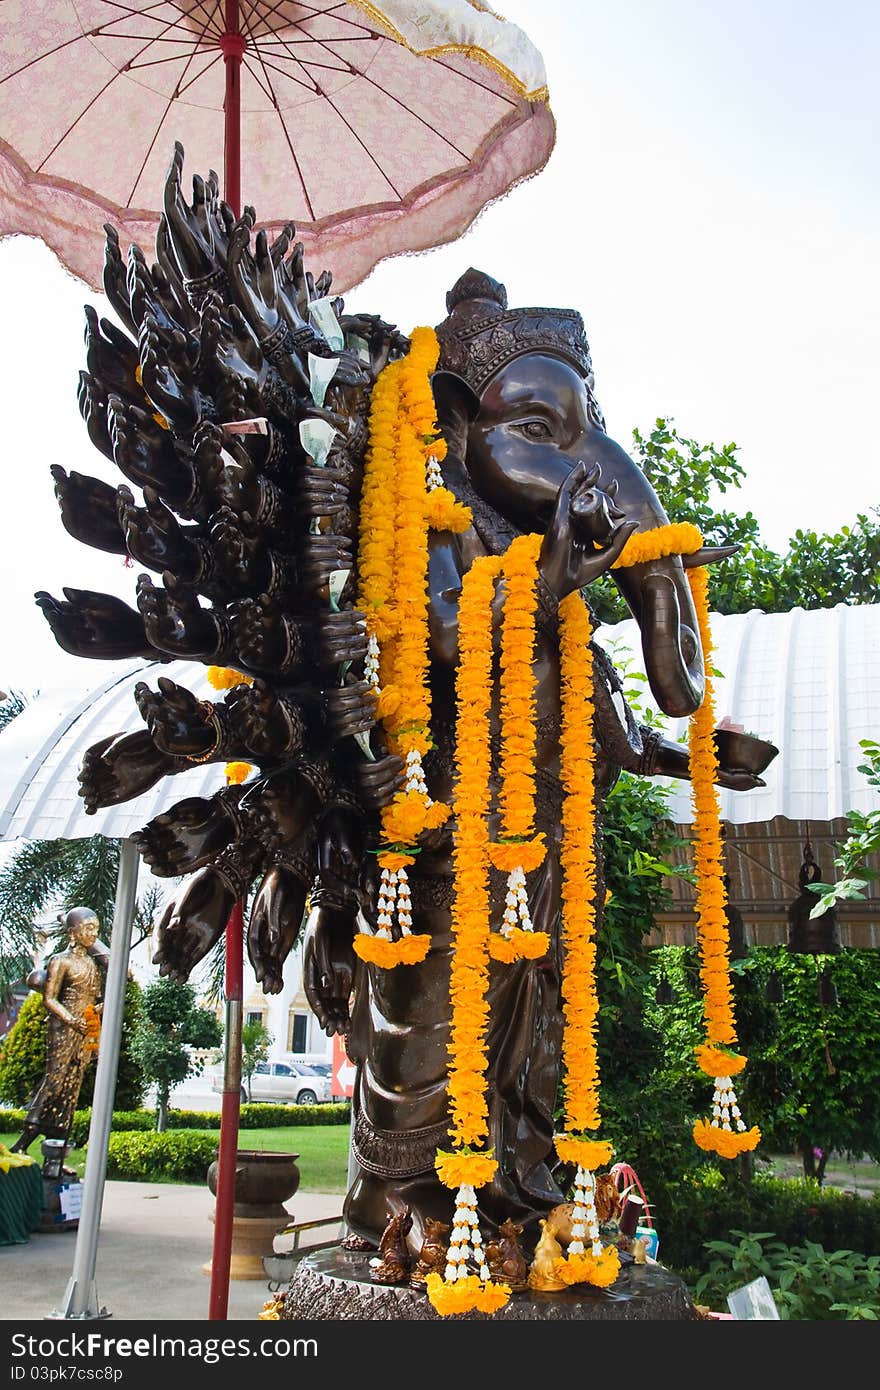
[
  {"x": 813, "y": 1070},
  {"x": 816, "y": 571},
  {"x": 23, "y": 1055},
  {"x": 862, "y": 840},
  {"x": 255, "y": 1042},
  {"x": 172, "y": 1022}
]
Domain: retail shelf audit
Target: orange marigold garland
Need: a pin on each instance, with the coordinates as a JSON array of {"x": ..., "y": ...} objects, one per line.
[
  {"x": 725, "y": 1133},
  {"x": 519, "y": 849},
  {"x": 92, "y": 1037},
  {"x": 586, "y": 1260},
  {"x": 465, "y": 1284},
  {"x": 402, "y": 497}
]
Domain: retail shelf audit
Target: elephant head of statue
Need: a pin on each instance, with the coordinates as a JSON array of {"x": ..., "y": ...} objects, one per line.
[{"x": 517, "y": 406}]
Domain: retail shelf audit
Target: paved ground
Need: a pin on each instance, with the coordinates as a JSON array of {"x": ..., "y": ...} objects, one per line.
[{"x": 154, "y": 1240}]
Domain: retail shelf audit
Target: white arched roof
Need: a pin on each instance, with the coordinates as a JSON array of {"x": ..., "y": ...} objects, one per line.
[
  {"x": 42, "y": 749},
  {"x": 809, "y": 682},
  {"x": 806, "y": 681}
]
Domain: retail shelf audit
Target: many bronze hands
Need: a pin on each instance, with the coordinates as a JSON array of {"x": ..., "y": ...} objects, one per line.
[
  {"x": 120, "y": 767},
  {"x": 582, "y": 517},
  {"x": 167, "y": 361},
  {"x": 174, "y": 620},
  {"x": 146, "y": 454},
  {"x": 193, "y": 923},
  {"x": 111, "y": 356},
  {"x": 188, "y": 835},
  {"x": 154, "y": 536},
  {"x": 351, "y": 709},
  {"x": 378, "y": 781},
  {"x": 328, "y": 966},
  {"x": 269, "y": 726},
  {"x": 178, "y": 722},
  {"x": 88, "y": 510},
  {"x": 264, "y": 300},
  {"x": 96, "y": 625},
  {"x": 275, "y": 925},
  {"x": 198, "y": 233}
]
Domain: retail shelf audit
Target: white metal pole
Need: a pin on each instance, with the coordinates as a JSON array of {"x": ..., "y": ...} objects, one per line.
[{"x": 81, "y": 1296}]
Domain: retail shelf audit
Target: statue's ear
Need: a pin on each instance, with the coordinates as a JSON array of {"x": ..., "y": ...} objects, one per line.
[{"x": 454, "y": 397}]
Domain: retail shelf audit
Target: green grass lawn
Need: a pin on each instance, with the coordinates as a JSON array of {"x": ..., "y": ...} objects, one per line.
[{"x": 322, "y": 1149}]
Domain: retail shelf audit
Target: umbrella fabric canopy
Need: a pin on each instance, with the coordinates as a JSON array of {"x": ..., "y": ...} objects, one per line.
[{"x": 377, "y": 129}]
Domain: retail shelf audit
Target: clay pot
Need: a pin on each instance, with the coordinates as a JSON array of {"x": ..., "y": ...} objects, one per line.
[{"x": 263, "y": 1182}]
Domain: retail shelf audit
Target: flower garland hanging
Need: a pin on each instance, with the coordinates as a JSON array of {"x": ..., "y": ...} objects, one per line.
[
  {"x": 403, "y": 496},
  {"x": 92, "y": 1036},
  {"x": 466, "y": 1284},
  {"x": 725, "y": 1133},
  {"x": 518, "y": 848},
  {"x": 594, "y": 1265}
]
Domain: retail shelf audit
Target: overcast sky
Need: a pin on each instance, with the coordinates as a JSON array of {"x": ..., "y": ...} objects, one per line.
[{"x": 711, "y": 208}]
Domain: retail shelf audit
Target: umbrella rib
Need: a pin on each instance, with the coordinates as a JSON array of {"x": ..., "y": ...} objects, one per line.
[
  {"x": 259, "y": 81},
  {"x": 209, "y": 20},
  {"x": 179, "y": 91},
  {"x": 172, "y": 58},
  {"x": 174, "y": 94},
  {"x": 370, "y": 33},
  {"x": 289, "y": 76},
  {"x": 433, "y": 129},
  {"x": 303, "y": 63},
  {"x": 129, "y": 13},
  {"x": 367, "y": 151},
  {"x": 287, "y": 137},
  {"x": 320, "y": 43},
  {"x": 476, "y": 82},
  {"x": 256, "y": 47}
]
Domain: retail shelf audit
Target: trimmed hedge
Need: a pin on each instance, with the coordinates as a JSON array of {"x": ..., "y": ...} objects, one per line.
[
  {"x": 793, "y": 1210},
  {"x": 251, "y": 1117},
  {"x": 182, "y": 1155}
]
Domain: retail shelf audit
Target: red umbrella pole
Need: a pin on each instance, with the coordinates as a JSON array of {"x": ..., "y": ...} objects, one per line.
[
  {"x": 218, "y": 1303},
  {"x": 232, "y": 44}
]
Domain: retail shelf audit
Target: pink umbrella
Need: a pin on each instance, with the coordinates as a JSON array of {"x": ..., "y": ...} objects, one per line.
[{"x": 376, "y": 128}]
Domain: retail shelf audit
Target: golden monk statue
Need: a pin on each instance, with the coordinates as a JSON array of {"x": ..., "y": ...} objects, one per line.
[{"x": 71, "y": 986}]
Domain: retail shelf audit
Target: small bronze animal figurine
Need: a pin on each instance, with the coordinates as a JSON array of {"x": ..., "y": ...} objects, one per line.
[
  {"x": 506, "y": 1261},
  {"x": 393, "y": 1263},
  {"x": 432, "y": 1256}
]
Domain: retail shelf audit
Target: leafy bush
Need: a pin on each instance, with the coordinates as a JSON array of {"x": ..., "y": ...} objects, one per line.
[
  {"x": 251, "y": 1117},
  {"x": 263, "y": 1116},
  {"x": 181, "y": 1156},
  {"x": 122, "y": 1120},
  {"x": 708, "y": 1206},
  {"x": 808, "y": 1282}
]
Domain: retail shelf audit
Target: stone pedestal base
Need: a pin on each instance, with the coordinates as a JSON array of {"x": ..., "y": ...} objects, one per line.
[
  {"x": 252, "y": 1238},
  {"x": 335, "y": 1285}
]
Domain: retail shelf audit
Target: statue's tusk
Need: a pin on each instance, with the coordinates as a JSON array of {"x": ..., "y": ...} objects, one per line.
[{"x": 708, "y": 554}]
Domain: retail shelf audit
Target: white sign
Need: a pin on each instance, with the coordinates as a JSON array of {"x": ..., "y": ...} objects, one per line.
[
  {"x": 71, "y": 1198},
  {"x": 753, "y": 1301}
]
